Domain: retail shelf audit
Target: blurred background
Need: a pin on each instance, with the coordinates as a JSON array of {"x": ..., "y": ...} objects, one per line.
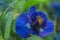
[{"x": 11, "y": 9}]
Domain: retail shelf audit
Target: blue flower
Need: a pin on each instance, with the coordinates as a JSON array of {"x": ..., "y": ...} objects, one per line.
[
  {"x": 48, "y": 25},
  {"x": 24, "y": 30}
]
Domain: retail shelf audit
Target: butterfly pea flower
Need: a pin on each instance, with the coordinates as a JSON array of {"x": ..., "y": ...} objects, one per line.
[
  {"x": 47, "y": 26},
  {"x": 35, "y": 23}
]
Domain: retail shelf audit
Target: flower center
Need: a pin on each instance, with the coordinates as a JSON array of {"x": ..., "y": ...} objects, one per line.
[{"x": 39, "y": 20}]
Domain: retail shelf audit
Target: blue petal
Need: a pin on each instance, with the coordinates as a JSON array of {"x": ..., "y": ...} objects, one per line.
[
  {"x": 21, "y": 20},
  {"x": 32, "y": 9},
  {"x": 21, "y": 29},
  {"x": 48, "y": 30}
]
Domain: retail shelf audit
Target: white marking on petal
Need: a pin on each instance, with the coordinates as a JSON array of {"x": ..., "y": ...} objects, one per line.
[
  {"x": 28, "y": 25},
  {"x": 41, "y": 30}
]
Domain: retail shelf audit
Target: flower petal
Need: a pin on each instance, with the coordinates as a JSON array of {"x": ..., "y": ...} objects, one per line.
[
  {"x": 21, "y": 26},
  {"x": 48, "y": 30},
  {"x": 32, "y": 9}
]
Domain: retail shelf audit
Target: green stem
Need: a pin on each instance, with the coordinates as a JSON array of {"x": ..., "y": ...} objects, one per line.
[{"x": 10, "y": 6}]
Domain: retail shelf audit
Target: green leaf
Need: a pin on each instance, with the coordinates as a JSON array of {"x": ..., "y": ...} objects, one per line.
[
  {"x": 30, "y": 3},
  {"x": 0, "y": 14},
  {"x": 1, "y": 35},
  {"x": 9, "y": 17},
  {"x": 19, "y": 5},
  {"x": 0, "y": 18},
  {"x": 34, "y": 37},
  {"x": 34, "y": 2},
  {"x": 13, "y": 25},
  {"x": 50, "y": 37},
  {"x": 22, "y": 5}
]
